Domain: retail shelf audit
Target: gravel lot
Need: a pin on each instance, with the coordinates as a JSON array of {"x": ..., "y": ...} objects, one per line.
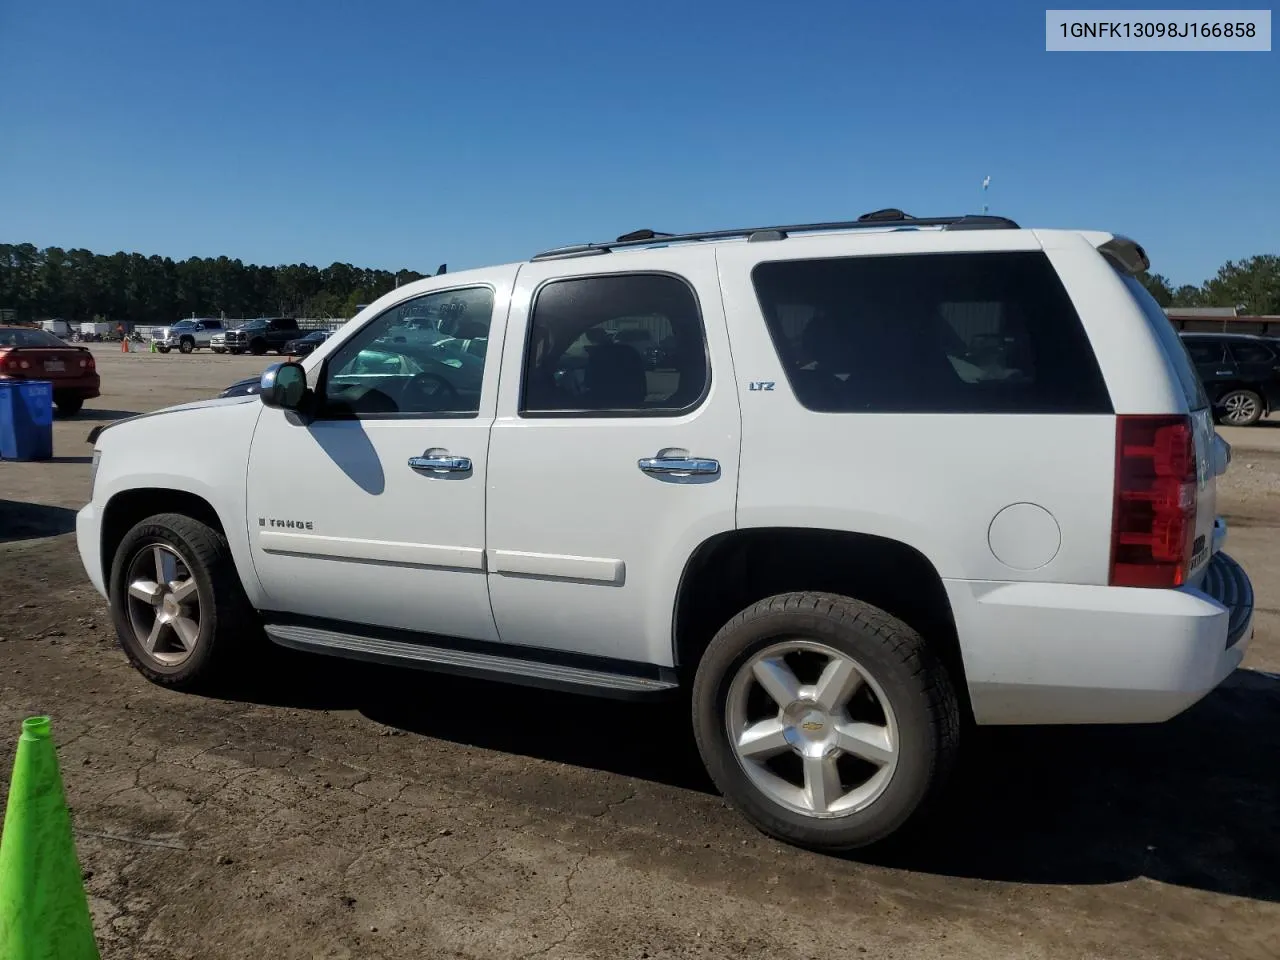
[{"x": 324, "y": 809}]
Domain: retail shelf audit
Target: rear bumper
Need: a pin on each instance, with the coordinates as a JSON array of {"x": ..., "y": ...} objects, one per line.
[
  {"x": 1069, "y": 653},
  {"x": 85, "y": 387}
]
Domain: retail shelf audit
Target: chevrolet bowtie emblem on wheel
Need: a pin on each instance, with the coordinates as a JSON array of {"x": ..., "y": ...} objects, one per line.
[{"x": 813, "y": 726}]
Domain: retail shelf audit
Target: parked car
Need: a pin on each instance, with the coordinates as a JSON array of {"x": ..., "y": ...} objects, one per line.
[
  {"x": 187, "y": 335},
  {"x": 30, "y": 354},
  {"x": 905, "y": 476},
  {"x": 258, "y": 336},
  {"x": 242, "y": 388},
  {"x": 304, "y": 345},
  {"x": 1241, "y": 374}
]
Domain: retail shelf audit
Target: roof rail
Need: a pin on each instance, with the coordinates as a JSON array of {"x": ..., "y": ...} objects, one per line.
[{"x": 877, "y": 219}]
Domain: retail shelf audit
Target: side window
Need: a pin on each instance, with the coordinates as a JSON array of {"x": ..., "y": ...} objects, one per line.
[
  {"x": 930, "y": 333},
  {"x": 1245, "y": 352},
  {"x": 620, "y": 345},
  {"x": 407, "y": 362},
  {"x": 1205, "y": 352}
]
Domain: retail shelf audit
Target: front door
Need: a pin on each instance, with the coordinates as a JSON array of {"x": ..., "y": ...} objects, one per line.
[
  {"x": 374, "y": 512},
  {"x": 615, "y": 452}
]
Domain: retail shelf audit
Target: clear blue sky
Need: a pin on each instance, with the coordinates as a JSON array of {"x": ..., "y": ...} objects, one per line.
[{"x": 404, "y": 134}]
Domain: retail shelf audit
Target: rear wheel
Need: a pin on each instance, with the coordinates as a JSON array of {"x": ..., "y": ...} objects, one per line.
[
  {"x": 176, "y": 600},
  {"x": 186, "y": 344},
  {"x": 258, "y": 347},
  {"x": 1240, "y": 408},
  {"x": 68, "y": 404},
  {"x": 825, "y": 721}
]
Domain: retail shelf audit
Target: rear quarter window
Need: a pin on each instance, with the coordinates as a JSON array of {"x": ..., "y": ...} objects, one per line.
[{"x": 930, "y": 333}]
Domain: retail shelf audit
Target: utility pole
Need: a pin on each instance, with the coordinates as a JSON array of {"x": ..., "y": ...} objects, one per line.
[{"x": 986, "y": 182}]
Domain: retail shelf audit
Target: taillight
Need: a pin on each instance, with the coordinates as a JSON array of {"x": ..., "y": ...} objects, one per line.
[{"x": 1154, "y": 520}]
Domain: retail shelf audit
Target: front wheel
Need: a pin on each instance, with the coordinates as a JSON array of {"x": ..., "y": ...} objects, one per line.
[
  {"x": 1240, "y": 408},
  {"x": 825, "y": 721},
  {"x": 162, "y": 349},
  {"x": 176, "y": 601}
]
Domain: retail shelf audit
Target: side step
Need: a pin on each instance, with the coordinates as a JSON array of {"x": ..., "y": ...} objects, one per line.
[{"x": 471, "y": 663}]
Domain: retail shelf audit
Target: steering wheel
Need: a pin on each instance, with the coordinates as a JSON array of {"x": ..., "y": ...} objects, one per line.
[{"x": 433, "y": 390}]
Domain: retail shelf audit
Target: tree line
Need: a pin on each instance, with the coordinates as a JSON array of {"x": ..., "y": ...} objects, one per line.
[
  {"x": 40, "y": 284},
  {"x": 1252, "y": 285},
  {"x": 77, "y": 284}
]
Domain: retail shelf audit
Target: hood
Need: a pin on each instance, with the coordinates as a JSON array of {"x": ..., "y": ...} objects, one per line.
[{"x": 97, "y": 431}]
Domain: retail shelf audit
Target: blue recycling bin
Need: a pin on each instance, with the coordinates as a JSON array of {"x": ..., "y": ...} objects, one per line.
[{"x": 26, "y": 419}]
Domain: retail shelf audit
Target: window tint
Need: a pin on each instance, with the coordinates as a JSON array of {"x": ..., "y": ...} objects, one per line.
[
  {"x": 424, "y": 357},
  {"x": 1245, "y": 352},
  {"x": 616, "y": 345},
  {"x": 1205, "y": 351},
  {"x": 933, "y": 333}
]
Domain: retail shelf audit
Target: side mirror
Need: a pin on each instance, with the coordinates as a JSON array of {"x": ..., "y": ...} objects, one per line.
[{"x": 283, "y": 385}]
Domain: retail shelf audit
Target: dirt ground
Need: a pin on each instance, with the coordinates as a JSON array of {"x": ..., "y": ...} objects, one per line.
[{"x": 326, "y": 809}]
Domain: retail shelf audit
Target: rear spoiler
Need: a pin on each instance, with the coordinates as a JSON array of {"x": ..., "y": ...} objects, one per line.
[{"x": 1125, "y": 254}]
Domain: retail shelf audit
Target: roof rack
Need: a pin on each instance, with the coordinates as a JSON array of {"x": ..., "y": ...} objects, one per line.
[{"x": 877, "y": 219}]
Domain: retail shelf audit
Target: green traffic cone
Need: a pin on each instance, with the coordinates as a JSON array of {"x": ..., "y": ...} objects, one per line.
[{"x": 44, "y": 914}]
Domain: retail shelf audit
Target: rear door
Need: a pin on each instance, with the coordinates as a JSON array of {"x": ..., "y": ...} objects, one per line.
[
  {"x": 607, "y": 467},
  {"x": 1257, "y": 364}
]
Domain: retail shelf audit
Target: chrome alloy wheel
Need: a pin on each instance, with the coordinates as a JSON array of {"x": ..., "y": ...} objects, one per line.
[
  {"x": 164, "y": 604},
  {"x": 1240, "y": 408},
  {"x": 812, "y": 729}
]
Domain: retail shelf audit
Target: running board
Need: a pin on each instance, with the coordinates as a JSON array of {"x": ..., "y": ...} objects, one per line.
[{"x": 471, "y": 663}]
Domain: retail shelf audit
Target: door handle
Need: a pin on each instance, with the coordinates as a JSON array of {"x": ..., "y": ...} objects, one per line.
[
  {"x": 1222, "y": 373},
  {"x": 679, "y": 466},
  {"x": 440, "y": 461}
]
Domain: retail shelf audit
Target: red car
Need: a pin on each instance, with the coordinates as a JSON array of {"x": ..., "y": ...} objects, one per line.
[{"x": 27, "y": 353}]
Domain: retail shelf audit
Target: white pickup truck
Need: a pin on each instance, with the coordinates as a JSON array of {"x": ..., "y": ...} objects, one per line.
[
  {"x": 882, "y": 476},
  {"x": 187, "y": 336}
]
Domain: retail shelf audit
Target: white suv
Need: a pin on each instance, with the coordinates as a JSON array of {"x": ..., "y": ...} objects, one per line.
[{"x": 883, "y": 477}]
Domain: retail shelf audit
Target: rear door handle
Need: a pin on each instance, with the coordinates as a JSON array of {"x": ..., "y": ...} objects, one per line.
[
  {"x": 437, "y": 460},
  {"x": 679, "y": 466}
]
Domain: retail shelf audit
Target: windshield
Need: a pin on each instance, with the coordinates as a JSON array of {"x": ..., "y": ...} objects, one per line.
[{"x": 28, "y": 338}]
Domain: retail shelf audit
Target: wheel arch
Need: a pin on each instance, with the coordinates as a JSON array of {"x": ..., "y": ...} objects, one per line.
[
  {"x": 128, "y": 507},
  {"x": 731, "y": 570}
]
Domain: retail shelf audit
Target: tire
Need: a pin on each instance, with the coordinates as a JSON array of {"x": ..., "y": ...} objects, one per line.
[
  {"x": 218, "y": 350},
  {"x": 186, "y": 345},
  {"x": 68, "y": 404},
  {"x": 920, "y": 728},
  {"x": 1240, "y": 408},
  {"x": 258, "y": 347},
  {"x": 235, "y": 352},
  {"x": 163, "y": 349},
  {"x": 224, "y": 619}
]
